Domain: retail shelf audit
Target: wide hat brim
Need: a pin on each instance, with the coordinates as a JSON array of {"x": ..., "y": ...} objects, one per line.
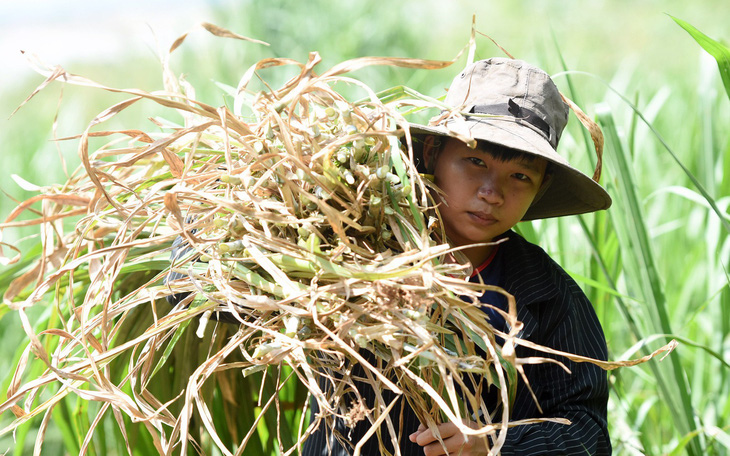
[{"x": 569, "y": 192}]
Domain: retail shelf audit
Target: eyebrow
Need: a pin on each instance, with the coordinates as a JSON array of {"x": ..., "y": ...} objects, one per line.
[
  {"x": 525, "y": 161},
  {"x": 528, "y": 165}
]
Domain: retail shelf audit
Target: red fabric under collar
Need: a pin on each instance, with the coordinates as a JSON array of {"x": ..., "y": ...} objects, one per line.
[{"x": 486, "y": 262}]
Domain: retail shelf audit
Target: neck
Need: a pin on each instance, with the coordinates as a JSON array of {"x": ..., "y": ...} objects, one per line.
[{"x": 478, "y": 255}]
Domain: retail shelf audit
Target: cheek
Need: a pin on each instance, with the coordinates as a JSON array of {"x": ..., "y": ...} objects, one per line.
[
  {"x": 451, "y": 177},
  {"x": 521, "y": 200},
  {"x": 455, "y": 190}
]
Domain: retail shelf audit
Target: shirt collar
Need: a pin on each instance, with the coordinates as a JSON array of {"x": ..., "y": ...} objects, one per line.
[{"x": 521, "y": 256}]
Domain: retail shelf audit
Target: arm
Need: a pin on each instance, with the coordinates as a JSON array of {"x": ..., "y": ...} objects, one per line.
[{"x": 567, "y": 323}]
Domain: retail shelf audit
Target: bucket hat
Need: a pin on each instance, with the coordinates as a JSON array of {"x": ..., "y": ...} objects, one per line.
[{"x": 513, "y": 104}]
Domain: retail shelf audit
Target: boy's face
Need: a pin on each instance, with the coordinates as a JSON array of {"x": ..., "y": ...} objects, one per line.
[{"x": 484, "y": 197}]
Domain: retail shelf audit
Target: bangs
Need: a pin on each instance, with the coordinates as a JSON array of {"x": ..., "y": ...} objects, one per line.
[{"x": 504, "y": 154}]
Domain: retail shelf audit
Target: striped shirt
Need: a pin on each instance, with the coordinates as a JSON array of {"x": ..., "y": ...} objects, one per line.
[{"x": 555, "y": 313}]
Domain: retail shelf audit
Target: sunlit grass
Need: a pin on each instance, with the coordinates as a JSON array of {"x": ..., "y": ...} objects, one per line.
[{"x": 686, "y": 241}]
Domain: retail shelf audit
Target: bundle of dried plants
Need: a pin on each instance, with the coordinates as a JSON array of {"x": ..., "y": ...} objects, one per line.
[{"x": 305, "y": 225}]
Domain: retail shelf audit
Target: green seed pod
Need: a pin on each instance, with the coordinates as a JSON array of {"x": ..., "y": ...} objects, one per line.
[
  {"x": 360, "y": 155},
  {"x": 346, "y": 114},
  {"x": 331, "y": 113},
  {"x": 269, "y": 133},
  {"x": 291, "y": 325},
  {"x": 300, "y": 174},
  {"x": 220, "y": 222},
  {"x": 369, "y": 141},
  {"x": 229, "y": 179},
  {"x": 403, "y": 193},
  {"x": 413, "y": 314},
  {"x": 361, "y": 340},
  {"x": 342, "y": 155},
  {"x": 230, "y": 247},
  {"x": 302, "y": 242},
  {"x": 382, "y": 172},
  {"x": 392, "y": 178},
  {"x": 203, "y": 323},
  {"x": 362, "y": 170},
  {"x": 236, "y": 225},
  {"x": 313, "y": 244},
  {"x": 303, "y": 232},
  {"x": 375, "y": 205},
  {"x": 351, "y": 130},
  {"x": 347, "y": 174},
  {"x": 205, "y": 258},
  {"x": 320, "y": 193},
  {"x": 265, "y": 349},
  {"x": 258, "y": 146}
]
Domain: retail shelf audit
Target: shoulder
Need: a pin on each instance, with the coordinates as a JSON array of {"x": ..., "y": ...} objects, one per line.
[
  {"x": 531, "y": 274},
  {"x": 548, "y": 300}
]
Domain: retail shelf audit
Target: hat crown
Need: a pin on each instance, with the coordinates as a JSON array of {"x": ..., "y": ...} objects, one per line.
[{"x": 488, "y": 86}]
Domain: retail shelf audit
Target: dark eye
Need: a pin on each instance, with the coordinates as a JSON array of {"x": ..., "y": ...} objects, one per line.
[
  {"x": 476, "y": 160},
  {"x": 521, "y": 177}
]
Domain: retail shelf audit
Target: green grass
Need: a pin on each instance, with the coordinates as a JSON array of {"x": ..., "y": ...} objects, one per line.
[{"x": 657, "y": 263}]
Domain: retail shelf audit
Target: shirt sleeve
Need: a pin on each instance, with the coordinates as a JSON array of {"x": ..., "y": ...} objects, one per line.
[{"x": 568, "y": 323}]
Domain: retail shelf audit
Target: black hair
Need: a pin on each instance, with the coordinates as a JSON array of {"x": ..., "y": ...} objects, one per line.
[{"x": 499, "y": 152}]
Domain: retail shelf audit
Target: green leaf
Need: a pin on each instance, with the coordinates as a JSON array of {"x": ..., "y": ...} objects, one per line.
[
  {"x": 719, "y": 51},
  {"x": 182, "y": 327},
  {"x": 641, "y": 267},
  {"x": 4, "y": 309},
  {"x": 598, "y": 285}
]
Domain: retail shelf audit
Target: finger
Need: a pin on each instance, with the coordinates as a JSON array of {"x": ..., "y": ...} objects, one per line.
[
  {"x": 445, "y": 430},
  {"x": 414, "y": 435},
  {"x": 456, "y": 445}
]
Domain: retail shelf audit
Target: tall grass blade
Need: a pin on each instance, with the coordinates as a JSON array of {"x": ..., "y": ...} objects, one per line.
[
  {"x": 642, "y": 274},
  {"x": 724, "y": 219},
  {"x": 719, "y": 51}
]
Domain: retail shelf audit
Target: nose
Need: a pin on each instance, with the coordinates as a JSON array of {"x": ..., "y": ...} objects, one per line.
[{"x": 490, "y": 189}]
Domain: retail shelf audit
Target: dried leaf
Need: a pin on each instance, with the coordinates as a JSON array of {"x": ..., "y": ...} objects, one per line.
[
  {"x": 21, "y": 283},
  {"x": 594, "y": 130},
  {"x": 24, "y": 184},
  {"x": 177, "y": 43},
  {"x": 220, "y": 31},
  {"x": 63, "y": 199},
  {"x": 173, "y": 161}
]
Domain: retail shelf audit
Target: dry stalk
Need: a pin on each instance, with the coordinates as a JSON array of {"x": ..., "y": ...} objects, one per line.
[{"x": 306, "y": 225}]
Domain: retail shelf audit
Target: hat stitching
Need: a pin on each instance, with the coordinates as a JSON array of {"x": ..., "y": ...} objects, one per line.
[{"x": 509, "y": 131}]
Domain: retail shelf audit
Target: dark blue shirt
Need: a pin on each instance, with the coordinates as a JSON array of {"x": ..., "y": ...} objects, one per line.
[
  {"x": 489, "y": 273},
  {"x": 555, "y": 313}
]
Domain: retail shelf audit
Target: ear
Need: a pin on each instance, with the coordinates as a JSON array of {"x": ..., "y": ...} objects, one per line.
[{"x": 429, "y": 152}]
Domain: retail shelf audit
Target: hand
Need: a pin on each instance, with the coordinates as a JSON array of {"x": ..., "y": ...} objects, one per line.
[{"x": 457, "y": 444}]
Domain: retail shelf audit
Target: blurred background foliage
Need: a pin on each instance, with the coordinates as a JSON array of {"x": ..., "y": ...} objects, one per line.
[{"x": 619, "y": 52}]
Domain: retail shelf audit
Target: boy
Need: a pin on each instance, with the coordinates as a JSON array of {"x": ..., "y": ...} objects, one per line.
[{"x": 516, "y": 115}]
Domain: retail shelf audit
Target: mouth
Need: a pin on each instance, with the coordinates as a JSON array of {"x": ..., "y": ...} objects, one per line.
[{"x": 482, "y": 218}]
